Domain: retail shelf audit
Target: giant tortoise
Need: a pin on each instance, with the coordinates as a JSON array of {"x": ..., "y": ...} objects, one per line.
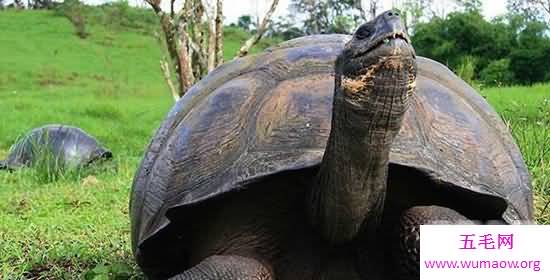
[
  {"x": 55, "y": 144},
  {"x": 299, "y": 163}
]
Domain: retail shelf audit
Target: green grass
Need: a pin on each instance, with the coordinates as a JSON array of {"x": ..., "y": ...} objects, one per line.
[
  {"x": 110, "y": 85},
  {"x": 526, "y": 111}
]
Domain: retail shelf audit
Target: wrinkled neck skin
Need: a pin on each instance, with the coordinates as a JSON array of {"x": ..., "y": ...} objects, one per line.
[{"x": 367, "y": 115}]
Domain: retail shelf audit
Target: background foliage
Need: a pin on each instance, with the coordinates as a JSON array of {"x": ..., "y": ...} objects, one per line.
[
  {"x": 506, "y": 50},
  {"x": 511, "y": 49}
]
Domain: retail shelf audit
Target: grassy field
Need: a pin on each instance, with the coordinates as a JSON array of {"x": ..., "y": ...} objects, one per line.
[
  {"x": 526, "y": 111},
  {"x": 110, "y": 85}
]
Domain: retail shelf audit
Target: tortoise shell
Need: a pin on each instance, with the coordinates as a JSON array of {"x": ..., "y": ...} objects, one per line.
[
  {"x": 270, "y": 113},
  {"x": 67, "y": 146}
]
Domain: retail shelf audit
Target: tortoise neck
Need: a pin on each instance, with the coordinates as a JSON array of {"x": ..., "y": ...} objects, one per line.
[{"x": 350, "y": 187}]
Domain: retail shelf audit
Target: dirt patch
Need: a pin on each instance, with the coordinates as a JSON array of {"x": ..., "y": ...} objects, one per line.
[
  {"x": 42, "y": 270},
  {"x": 90, "y": 181},
  {"x": 52, "y": 77}
]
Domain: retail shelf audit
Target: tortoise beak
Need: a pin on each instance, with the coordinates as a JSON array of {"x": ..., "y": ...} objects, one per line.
[{"x": 100, "y": 155}]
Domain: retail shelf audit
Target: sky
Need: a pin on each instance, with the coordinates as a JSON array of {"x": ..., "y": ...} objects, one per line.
[{"x": 234, "y": 8}]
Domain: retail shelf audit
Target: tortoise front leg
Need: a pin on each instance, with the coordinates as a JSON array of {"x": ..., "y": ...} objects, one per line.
[
  {"x": 406, "y": 236},
  {"x": 226, "y": 267}
]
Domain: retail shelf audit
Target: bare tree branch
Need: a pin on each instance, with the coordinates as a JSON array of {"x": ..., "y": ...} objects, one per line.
[
  {"x": 544, "y": 4},
  {"x": 177, "y": 48},
  {"x": 194, "y": 50},
  {"x": 373, "y": 8},
  {"x": 155, "y": 5},
  {"x": 172, "y": 8},
  {"x": 362, "y": 13},
  {"x": 165, "y": 68},
  {"x": 259, "y": 32}
]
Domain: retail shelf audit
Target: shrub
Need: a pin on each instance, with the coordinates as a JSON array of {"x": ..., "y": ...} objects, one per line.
[
  {"x": 466, "y": 69},
  {"x": 497, "y": 73},
  {"x": 73, "y": 10},
  {"x": 119, "y": 14},
  {"x": 529, "y": 65}
]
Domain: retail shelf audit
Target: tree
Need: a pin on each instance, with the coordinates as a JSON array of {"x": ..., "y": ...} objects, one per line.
[
  {"x": 530, "y": 9},
  {"x": 529, "y": 62},
  {"x": 328, "y": 16},
  {"x": 470, "y": 5},
  {"x": 193, "y": 37},
  {"x": 544, "y": 4},
  {"x": 540, "y": 6},
  {"x": 18, "y": 4},
  {"x": 412, "y": 11},
  {"x": 192, "y": 53},
  {"x": 245, "y": 22},
  {"x": 507, "y": 49},
  {"x": 316, "y": 21},
  {"x": 497, "y": 73},
  {"x": 73, "y": 10},
  {"x": 41, "y": 4},
  {"x": 458, "y": 35},
  {"x": 285, "y": 28},
  {"x": 369, "y": 10}
]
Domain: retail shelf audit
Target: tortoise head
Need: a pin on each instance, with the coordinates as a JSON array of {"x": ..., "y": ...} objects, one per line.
[
  {"x": 374, "y": 77},
  {"x": 378, "y": 66}
]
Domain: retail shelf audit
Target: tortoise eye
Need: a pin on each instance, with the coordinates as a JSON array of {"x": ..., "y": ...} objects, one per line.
[{"x": 363, "y": 32}]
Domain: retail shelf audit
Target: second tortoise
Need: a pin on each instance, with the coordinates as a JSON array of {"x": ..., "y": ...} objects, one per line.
[{"x": 61, "y": 145}]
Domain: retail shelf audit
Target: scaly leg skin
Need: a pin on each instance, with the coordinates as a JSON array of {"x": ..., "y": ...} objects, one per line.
[
  {"x": 406, "y": 249},
  {"x": 226, "y": 267}
]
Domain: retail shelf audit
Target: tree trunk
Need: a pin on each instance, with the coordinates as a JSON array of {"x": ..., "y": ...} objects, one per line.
[
  {"x": 193, "y": 50},
  {"x": 219, "y": 32},
  {"x": 373, "y": 8},
  {"x": 211, "y": 46},
  {"x": 362, "y": 12}
]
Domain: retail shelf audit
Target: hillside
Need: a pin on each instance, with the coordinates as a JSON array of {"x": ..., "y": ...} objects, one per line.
[
  {"x": 113, "y": 75},
  {"x": 110, "y": 85}
]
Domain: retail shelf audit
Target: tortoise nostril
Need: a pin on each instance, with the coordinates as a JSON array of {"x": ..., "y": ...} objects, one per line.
[
  {"x": 392, "y": 14},
  {"x": 107, "y": 155}
]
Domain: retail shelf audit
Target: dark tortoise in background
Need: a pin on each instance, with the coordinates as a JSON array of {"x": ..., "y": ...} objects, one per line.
[
  {"x": 300, "y": 163},
  {"x": 62, "y": 145}
]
